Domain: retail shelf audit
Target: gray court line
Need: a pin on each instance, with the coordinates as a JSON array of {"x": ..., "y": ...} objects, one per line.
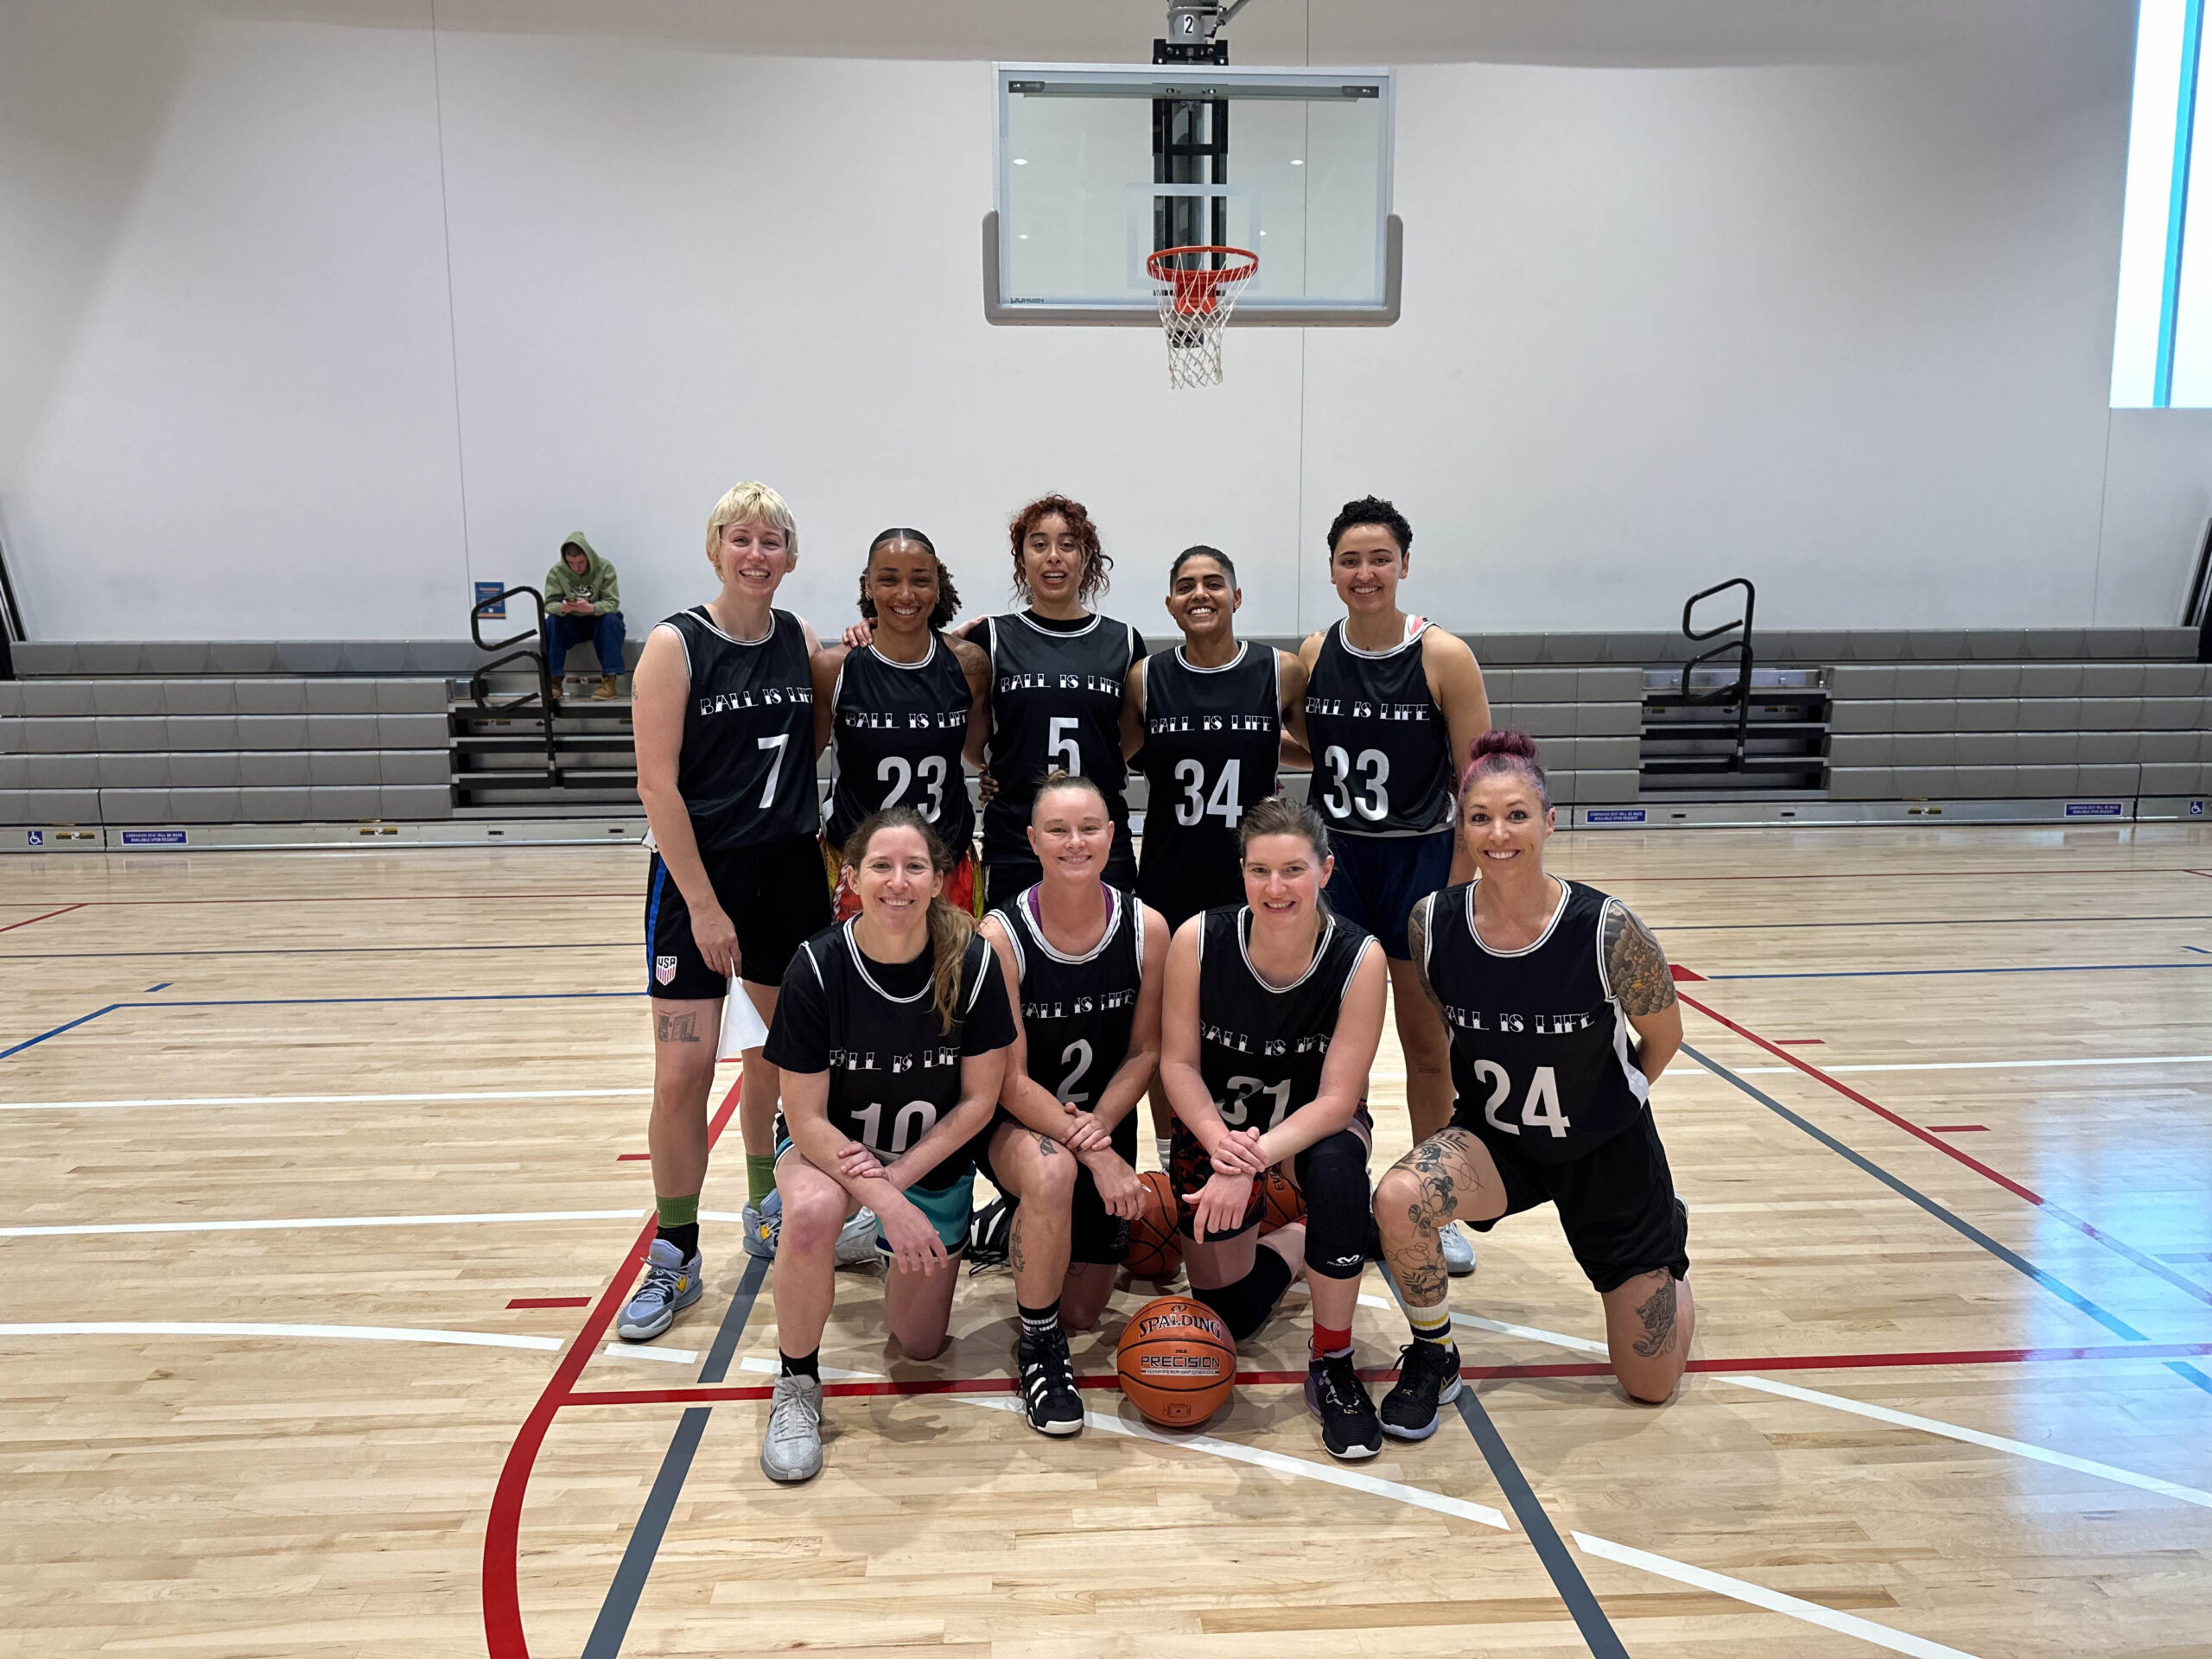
[
  {"x": 605, "y": 1641},
  {"x": 1567, "y": 1577}
]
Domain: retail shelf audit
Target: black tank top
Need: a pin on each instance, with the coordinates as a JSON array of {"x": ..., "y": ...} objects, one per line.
[
  {"x": 1260, "y": 1047},
  {"x": 894, "y": 1070},
  {"x": 747, "y": 769},
  {"x": 1078, "y": 1012},
  {"x": 1539, "y": 1047},
  {"x": 1055, "y": 705},
  {"x": 896, "y": 736},
  {"x": 1212, "y": 737},
  {"x": 1381, "y": 752}
]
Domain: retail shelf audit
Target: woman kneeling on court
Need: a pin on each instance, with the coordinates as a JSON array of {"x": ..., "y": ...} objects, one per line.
[
  {"x": 1274, "y": 1010},
  {"x": 1541, "y": 982},
  {"x": 1086, "y": 958},
  {"x": 891, "y": 1035}
]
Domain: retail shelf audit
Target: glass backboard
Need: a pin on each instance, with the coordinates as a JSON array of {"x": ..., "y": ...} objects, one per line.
[{"x": 1099, "y": 165}]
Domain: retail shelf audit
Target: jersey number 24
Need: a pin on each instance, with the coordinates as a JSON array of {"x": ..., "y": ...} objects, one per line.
[{"x": 1538, "y": 1108}]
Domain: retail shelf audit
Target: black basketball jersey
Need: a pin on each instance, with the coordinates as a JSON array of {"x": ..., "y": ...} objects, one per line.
[
  {"x": 747, "y": 769},
  {"x": 1055, "y": 705},
  {"x": 1381, "y": 752},
  {"x": 1261, "y": 1046},
  {"x": 896, "y": 735},
  {"x": 1211, "y": 739},
  {"x": 1078, "y": 1012},
  {"x": 1539, "y": 1047},
  {"x": 894, "y": 1070}
]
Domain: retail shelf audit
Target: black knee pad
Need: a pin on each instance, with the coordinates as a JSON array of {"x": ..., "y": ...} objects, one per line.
[
  {"x": 1095, "y": 1237},
  {"x": 1339, "y": 1219},
  {"x": 1244, "y": 1306}
]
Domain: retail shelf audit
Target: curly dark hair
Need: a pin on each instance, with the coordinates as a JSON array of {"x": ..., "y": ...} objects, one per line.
[
  {"x": 1098, "y": 563},
  {"x": 1371, "y": 510},
  {"x": 948, "y": 596}
]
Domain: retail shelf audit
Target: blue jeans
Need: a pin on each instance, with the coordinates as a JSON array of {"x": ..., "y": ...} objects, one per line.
[{"x": 605, "y": 633}]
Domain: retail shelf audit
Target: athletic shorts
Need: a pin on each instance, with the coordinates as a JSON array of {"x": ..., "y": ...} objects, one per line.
[
  {"x": 1379, "y": 880},
  {"x": 1189, "y": 1169},
  {"x": 1005, "y": 880},
  {"x": 947, "y": 1207},
  {"x": 1179, "y": 889},
  {"x": 1095, "y": 1236},
  {"x": 1616, "y": 1203},
  {"x": 962, "y": 888},
  {"x": 772, "y": 895}
]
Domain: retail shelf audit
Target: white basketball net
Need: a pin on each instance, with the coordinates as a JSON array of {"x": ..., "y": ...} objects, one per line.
[{"x": 1196, "y": 296}]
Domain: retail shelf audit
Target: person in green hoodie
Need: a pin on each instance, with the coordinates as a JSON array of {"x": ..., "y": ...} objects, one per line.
[{"x": 582, "y": 601}]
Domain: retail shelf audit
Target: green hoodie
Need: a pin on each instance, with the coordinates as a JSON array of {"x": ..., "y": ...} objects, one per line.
[{"x": 597, "y": 583}]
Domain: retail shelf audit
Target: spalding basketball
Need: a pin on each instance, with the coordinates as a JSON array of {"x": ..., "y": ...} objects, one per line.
[
  {"x": 1155, "y": 1251},
  {"x": 1177, "y": 1362},
  {"x": 1286, "y": 1204}
]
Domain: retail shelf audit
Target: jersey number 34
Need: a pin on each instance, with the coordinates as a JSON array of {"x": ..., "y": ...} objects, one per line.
[
  {"x": 1194, "y": 806},
  {"x": 1538, "y": 1108}
]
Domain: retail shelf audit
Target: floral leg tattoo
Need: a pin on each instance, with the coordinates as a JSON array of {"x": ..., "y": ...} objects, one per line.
[
  {"x": 1419, "y": 1267},
  {"x": 1658, "y": 1313}
]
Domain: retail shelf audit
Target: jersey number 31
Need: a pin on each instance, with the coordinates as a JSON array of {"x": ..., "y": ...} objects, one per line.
[{"x": 1540, "y": 1111}]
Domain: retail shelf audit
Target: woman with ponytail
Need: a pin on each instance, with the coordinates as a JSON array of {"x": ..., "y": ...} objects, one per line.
[
  {"x": 891, "y": 1035},
  {"x": 1561, "y": 1012}
]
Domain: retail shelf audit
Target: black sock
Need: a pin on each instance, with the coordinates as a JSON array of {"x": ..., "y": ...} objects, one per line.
[
  {"x": 685, "y": 1237},
  {"x": 1039, "y": 1321},
  {"x": 802, "y": 1366}
]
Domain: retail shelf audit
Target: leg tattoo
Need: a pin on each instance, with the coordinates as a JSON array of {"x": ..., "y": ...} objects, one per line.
[
  {"x": 1657, "y": 1312},
  {"x": 676, "y": 1027},
  {"x": 1420, "y": 1273}
]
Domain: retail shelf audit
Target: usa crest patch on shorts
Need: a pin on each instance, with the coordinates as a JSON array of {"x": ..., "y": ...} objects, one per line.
[{"x": 664, "y": 970}]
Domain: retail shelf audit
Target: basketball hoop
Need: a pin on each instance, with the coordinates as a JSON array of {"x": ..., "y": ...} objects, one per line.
[{"x": 1198, "y": 289}]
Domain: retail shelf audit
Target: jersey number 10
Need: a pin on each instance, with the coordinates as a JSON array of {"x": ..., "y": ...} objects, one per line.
[{"x": 915, "y": 1119}]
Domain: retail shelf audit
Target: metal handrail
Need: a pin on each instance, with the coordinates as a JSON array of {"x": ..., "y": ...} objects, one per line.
[
  {"x": 1740, "y": 691},
  {"x": 542, "y": 698}
]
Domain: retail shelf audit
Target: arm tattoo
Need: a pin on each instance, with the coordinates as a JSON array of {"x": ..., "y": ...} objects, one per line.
[
  {"x": 1658, "y": 1313},
  {"x": 676, "y": 1027},
  {"x": 1635, "y": 964},
  {"x": 1417, "y": 941}
]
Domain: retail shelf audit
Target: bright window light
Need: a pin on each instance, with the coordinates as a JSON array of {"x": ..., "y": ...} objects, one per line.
[{"x": 2162, "y": 336}]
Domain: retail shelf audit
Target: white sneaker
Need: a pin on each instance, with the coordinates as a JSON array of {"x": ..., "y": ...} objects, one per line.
[
  {"x": 856, "y": 1240},
  {"x": 1458, "y": 1250},
  {"x": 791, "y": 1445}
]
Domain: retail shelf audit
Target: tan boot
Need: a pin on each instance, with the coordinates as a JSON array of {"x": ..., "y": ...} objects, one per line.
[{"x": 606, "y": 691}]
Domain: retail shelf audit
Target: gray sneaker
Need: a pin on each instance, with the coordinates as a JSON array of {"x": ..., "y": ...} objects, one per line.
[
  {"x": 856, "y": 1240},
  {"x": 671, "y": 1285},
  {"x": 1458, "y": 1250},
  {"x": 763, "y": 1226},
  {"x": 791, "y": 1445}
]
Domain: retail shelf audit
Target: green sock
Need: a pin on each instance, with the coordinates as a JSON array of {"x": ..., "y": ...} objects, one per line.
[
  {"x": 759, "y": 1178},
  {"x": 676, "y": 1212},
  {"x": 1432, "y": 1324}
]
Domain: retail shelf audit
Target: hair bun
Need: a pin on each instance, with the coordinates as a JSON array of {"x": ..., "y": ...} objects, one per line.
[{"x": 1519, "y": 744}]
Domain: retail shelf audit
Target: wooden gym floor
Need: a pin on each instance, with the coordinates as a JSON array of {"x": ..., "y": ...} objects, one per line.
[{"x": 319, "y": 1168}]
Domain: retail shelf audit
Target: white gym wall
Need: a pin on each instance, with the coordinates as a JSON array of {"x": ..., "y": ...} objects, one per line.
[{"x": 310, "y": 315}]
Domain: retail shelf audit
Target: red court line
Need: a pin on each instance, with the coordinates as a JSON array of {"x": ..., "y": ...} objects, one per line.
[
  {"x": 1800, "y": 1042},
  {"x": 551, "y": 1301},
  {"x": 631, "y": 1157},
  {"x": 27, "y": 920},
  {"x": 355, "y": 898},
  {"x": 1384, "y": 1374},
  {"x": 1958, "y": 1128},
  {"x": 503, "y": 1632},
  {"x": 2059, "y": 1212},
  {"x": 1930, "y": 876}
]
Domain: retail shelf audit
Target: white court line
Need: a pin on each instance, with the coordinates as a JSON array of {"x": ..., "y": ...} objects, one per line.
[
  {"x": 1283, "y": 1465},
  {"x": 1975, "y": 1437},
  {"x": 302, "y": 1222},
  {"x": 638, "y": 1350},
  {"x": 350, "y": 1332},
  {"x": 767, "y": 1367},
  {"x": 1534, "y": 1333},
  {"x": 315, "y": 1100},
  {"x": 1773, "y": 1600},
  {"x": 751, "y": 1363},
  {"x": 1982, "y": 1066}
]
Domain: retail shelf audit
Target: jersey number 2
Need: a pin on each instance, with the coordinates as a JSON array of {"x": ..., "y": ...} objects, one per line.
[
  {"x": 1193, "y": 807},
  {"x": 1540, "y": 1111}
]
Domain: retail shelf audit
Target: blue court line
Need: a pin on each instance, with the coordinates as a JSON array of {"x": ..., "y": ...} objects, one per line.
[
  {"x": 2056, "y": 1287},
  {"x": 615, "y": 1612},
  {"x": 82, "y": 1018},
  {"x": 1917, "y": 973},
  {"x": 2199, "y": 949},
  {"x": 163, "y": 986},
  {"x": 2189, "y": 1374}
]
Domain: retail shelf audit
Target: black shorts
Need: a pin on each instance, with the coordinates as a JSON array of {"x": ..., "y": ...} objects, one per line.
[
  {"x": 1379, "y": 878},
  {"x": 1095, "y": 1238},
  {"x": 1189, "y": 1169},
  {"x": 1616, "y": 1203},
  {"x": 1180, "y": 889},
  {"x": 1005, "y": 880},
  {"x": 776, "y": 896}
]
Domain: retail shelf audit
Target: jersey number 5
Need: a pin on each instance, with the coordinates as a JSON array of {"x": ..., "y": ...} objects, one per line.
[
  {"x": 1540, "y": 1111},
  {"x": 1373, "y": 802},
  {"x": 1193, "y": 807},
  {"x": 1060, "y": 741}
]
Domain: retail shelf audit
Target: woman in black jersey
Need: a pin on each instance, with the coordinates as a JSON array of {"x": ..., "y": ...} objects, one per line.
[
  {"x": 1392, "y": 705},
  {"x": 1085, "y": 960},
  {"x": 1273, "y": 1011},
  {"x": 724, "y": 715},
  {"x": 1562, "y": 1015},
  {"x": 891, "y": 1036},
  {"x": 1204, "y": 724},
  {"x": 900, "y": 713}
]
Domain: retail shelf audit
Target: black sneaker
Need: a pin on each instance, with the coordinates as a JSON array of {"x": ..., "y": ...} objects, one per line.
[
  {"x": 1334, "y": 1394},
  {"x": 990, "y": 1236},
  {"x": 1428, "y": 1376},
  {"x": 1048, "y": 1391}
]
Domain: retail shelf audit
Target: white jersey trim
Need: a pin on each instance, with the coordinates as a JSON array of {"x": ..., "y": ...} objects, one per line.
[
  {"x": 1565, "y": 893},
  {"x": 860, "y": 967},
  {"x": 1321, "y": 950},
  {"x": 1033, "y": 925},
  {"x": 1421, "y": 625},
  {"x": 1243, "y": 646}
]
